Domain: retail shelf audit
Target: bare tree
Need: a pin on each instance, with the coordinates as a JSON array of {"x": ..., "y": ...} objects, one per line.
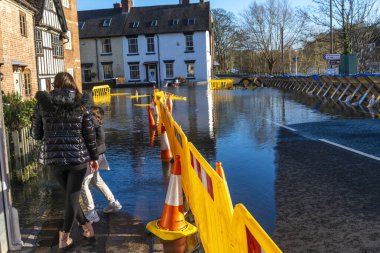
[
  {"x": 269, "y": 28},
  {"x": 224, "y": 34},
  {"x": 348, "y": 15}
]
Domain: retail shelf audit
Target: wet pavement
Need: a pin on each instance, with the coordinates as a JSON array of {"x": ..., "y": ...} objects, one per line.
[
  {"x": 325, "y": 205},
  {"x": 309, "y": 195}
]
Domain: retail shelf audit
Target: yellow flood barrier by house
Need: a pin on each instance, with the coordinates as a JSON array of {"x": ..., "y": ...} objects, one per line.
[
  {"x": 222, "y": 228},
  {"x": 101, "y": 90},
  {"x": 221, "y": 84}
]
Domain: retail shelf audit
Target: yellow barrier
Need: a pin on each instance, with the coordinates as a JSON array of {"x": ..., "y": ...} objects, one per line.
[
  {"x": 221, "y": 84},
  {"x": 101, "y": 90},
  {"x": 221, "y": 228},
  {"x": 102, "y": 100}
]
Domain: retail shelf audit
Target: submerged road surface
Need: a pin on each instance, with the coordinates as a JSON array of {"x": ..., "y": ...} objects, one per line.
[{"x": 308, "y": 172}]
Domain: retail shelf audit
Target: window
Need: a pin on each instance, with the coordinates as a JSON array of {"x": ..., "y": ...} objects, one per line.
[
  {"x": 107, "y": 70},
  {"x": 27, "y": 85},
  {"x": 106, "y": 46},
  {"x": 66, "y": 3},
  {"x": 189, "y": 43},
  {"x": 23, "y": 24},
  {"x": 87, "y": 75},
  {"x": 190, "y": 69},
  {"x": 191, "y": 21},
  {"x": 49, "y": 4},
  {"x": 39, "y": 46},
  {"x": 175, "y": 21},
  {"x": 106, "y": 22},
  {"x": 134, "y": 71},
  {"x": 134, "y": 24},
  {"x": 81, "y": 25},
  {"x": 150, "y": 44},
  {"x": 153, "y": 23},
  {"x": 57, "y": 46},
  {"x": 132, "y": 46},
  {"x": 68, "y": 44},
  {"x": 169, "y": 69}
]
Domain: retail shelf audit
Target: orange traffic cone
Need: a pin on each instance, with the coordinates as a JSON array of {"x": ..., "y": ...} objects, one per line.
[
  {"x": 172, "y": 224},
  {"x": 152, "y": 136},
  {"x": 172, "y": 217},
  {"x": 152, "y": 123},
  {"x": 154, "y": 109},
  {"x": 165, "y": 146},
  {"x": 170, "y": 104}
]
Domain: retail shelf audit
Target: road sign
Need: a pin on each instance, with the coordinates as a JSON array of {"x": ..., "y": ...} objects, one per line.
[
  {"x": 331, "y": 56},
  {"x": 295, "y": 58},
  {"x": 334, "y": 62}
]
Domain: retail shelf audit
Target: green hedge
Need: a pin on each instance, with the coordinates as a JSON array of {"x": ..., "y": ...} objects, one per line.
[{"x": 17, "y": 112}]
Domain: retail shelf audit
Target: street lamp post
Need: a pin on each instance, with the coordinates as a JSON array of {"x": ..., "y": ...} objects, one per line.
[{"x": 331, "y": 30}]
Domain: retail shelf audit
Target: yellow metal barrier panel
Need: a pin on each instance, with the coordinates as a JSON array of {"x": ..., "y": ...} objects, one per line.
[
  {"x": 221, "y": 84},
  {"x": 248, "y": 235},
  {"x": 221, "y": 228},
  {"x": 101, "y": 90}
]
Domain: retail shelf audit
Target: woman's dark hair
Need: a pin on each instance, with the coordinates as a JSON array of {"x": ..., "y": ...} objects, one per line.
[
  {"x": 98, "y": 113},
  {"x": 64, "y": 80}
]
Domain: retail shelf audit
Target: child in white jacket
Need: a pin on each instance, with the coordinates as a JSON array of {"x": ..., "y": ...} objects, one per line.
[{"x": 95, "y": 179}]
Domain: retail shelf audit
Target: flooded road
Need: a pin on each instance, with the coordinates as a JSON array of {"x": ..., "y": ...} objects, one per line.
[{"x": 268, "y": 142}]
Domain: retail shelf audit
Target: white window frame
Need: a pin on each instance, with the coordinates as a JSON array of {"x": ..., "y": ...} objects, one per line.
[
  {"x": 189, "y": 42},
  {"x": 169, "y": 69},
  {"x": 132, "y": 46},
  {"x": 110, "y": 73},
  {"x": 81, "y": 25},
  {"x": 175, "y": 21},
  {"x": 39, "y": 44},
  {"x": 154, "y": 23},
  {"x": 106, "y": 46},
  {"x": 132, "y": 70},
  {"x": 107, "y": 22},
  {"x": 150, "y": 44},
  {"x": 191, "y": 21},
  {"x": 190, "y": 69}
]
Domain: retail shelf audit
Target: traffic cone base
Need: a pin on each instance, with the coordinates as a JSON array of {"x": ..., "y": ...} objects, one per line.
[{"x": 168, "y": 235}]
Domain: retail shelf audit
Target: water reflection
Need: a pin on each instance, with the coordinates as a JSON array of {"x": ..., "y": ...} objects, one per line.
[{"x": 237, "y": 127}]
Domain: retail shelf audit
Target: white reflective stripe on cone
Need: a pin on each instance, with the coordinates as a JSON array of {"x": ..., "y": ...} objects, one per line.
[
  {"x": 165, "y": 145},
  {"x": 174, "y": 196}
]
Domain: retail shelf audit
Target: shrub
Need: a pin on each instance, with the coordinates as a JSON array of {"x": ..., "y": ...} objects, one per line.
[{"x": 17, "y": 112}]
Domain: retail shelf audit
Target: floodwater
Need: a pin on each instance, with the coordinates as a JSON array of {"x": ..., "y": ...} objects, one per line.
[{"x": 240, "y": 128}]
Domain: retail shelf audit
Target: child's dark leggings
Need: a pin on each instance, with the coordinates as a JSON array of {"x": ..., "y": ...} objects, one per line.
[{"x": 71, "y": 181}]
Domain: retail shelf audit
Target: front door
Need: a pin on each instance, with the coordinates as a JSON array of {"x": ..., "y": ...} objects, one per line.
[
  {"x": 17, "y": 78},
  {"x": 152, "y": 74}
]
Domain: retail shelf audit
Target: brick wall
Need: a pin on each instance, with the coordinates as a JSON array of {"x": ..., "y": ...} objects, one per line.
[
  {"x": 72, "y": 56},
  {"x": 15, "y": 47}
]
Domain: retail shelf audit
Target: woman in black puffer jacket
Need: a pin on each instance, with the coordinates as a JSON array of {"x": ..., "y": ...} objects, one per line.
[{"x": 65, "y": 127}]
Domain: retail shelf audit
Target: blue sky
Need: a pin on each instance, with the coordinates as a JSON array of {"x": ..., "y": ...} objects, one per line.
[{"x": 236, "y": 6}]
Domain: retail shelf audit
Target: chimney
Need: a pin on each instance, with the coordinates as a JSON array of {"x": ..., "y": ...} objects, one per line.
[
  {"x": 184, "y": 2},
  {"x": 201, "y": 1},
  {"x": 126, "y": 5},
  {"x": 117, "y": 5}
]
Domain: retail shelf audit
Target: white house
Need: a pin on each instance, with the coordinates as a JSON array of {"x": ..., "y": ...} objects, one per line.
[{"x": 153, "y": 44}]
